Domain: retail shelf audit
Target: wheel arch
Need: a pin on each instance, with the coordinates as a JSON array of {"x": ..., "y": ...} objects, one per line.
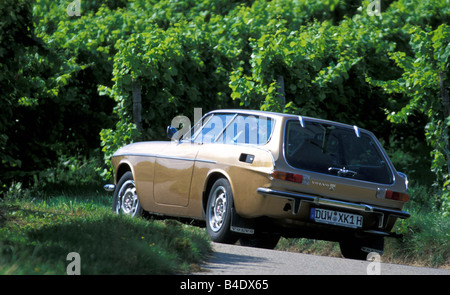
[
  {"x": 210, "y": 180},
  {"x": 123, "y": 168}
]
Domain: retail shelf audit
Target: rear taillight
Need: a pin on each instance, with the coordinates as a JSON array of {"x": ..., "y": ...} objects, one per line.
[
  {"x": 391, "y": 195},
  {"x": 396, "y": 196},
  {"x": 288, "y": 176}
]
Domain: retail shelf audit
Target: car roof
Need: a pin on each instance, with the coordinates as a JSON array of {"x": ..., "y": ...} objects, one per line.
[
  {"x": 251, "y": 112},
  {"x": 280, "y": 116}
]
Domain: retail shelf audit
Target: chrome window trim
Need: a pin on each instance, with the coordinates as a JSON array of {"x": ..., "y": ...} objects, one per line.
[{"x": 201, "y": 126}]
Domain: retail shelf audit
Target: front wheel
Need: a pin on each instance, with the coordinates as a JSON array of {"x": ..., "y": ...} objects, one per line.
[
  {"x": 218, "y": 212},
  {"x": 125, "y": 200}
]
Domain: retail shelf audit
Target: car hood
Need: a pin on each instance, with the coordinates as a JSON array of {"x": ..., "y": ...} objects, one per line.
[{"x": 143, "y": 148}]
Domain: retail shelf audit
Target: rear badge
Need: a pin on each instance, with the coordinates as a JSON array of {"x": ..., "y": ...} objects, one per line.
[{"x": 331, "y": 186}]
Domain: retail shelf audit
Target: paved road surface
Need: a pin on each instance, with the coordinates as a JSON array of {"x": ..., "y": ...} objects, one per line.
[{"x": 239, "y": 260}]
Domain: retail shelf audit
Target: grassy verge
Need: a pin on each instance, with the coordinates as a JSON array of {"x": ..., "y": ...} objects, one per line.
[
  {"x": 425, "y": 242},
  {"x": 37, "y": 234}
]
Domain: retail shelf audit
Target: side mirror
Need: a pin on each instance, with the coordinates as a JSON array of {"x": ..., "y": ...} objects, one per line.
[{"x": 171, "y": 132}]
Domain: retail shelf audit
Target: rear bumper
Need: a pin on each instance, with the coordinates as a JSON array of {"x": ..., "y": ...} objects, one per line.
[{"x": 381, "y": 213}]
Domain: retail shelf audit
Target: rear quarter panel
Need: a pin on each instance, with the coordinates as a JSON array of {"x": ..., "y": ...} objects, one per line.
[{"x": 244, "y": 177}]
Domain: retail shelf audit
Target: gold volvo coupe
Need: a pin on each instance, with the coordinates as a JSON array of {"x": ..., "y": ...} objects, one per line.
[{"x": 257, "y": 176}]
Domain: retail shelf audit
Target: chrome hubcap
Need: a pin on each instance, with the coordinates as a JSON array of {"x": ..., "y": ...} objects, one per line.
[
  {"x": 218, "y": 209},
  {"x": 128, "y": 201}
]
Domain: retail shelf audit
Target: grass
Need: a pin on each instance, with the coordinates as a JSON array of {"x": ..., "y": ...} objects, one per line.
[
  {"x": 37, "y": 234},
  {"x": 425, "y": 242}
]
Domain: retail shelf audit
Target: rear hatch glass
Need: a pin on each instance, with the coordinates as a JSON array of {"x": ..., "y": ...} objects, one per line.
[{"x": 335, "y": 150}]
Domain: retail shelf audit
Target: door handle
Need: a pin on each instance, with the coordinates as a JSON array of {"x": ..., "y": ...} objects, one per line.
[{"x": 247, "y": 158}]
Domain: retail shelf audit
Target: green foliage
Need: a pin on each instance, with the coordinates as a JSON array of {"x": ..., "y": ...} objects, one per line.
[
  {"x": 419, "y": 83},
  {"x": 16, "y": 44},
  {"x": 112, "y": 140},
  {"x": 49, "y": 98}
]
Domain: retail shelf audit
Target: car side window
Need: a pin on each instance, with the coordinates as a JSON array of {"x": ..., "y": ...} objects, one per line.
[
  {"x": 197, "y": 128},
  {"x": 247, "y": 129},
  {"x": 212, "y": 128}
]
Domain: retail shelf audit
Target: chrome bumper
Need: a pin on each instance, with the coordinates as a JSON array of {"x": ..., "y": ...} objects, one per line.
[
  {"x": 109, "y": 187},
  {"x": 298, "y": 198}
]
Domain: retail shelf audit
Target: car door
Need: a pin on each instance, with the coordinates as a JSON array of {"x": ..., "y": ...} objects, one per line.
[
  {"x": 173, "y": 173},
  {"x": 174, "y": 165}
]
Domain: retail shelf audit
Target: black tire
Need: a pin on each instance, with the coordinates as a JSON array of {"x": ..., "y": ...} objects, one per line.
[
  {"x": 218, "y": 212},
  {"x": 125, "y": 200},
  {"x": 359, "y": 248},
  {"x": 265, "y": 242}
]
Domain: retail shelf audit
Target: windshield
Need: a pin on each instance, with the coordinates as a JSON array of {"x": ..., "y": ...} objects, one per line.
[{"x": 335, "y": 150}]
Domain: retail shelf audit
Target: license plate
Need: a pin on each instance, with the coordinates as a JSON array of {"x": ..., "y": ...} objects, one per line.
[{"x": 336, "y": 218}]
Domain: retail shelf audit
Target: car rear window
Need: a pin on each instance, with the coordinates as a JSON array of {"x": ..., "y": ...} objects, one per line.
[{"x": 335, "y": 150}]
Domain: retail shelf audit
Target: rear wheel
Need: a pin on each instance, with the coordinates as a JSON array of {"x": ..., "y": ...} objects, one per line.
[
  {"x": 218, "y": 212},
  {"x": 359, "y": 248},
  {"x": 125, "y": 200}
]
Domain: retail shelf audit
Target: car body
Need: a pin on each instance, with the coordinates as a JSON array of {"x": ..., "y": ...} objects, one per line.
[{"x": 257, "y": 176}]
